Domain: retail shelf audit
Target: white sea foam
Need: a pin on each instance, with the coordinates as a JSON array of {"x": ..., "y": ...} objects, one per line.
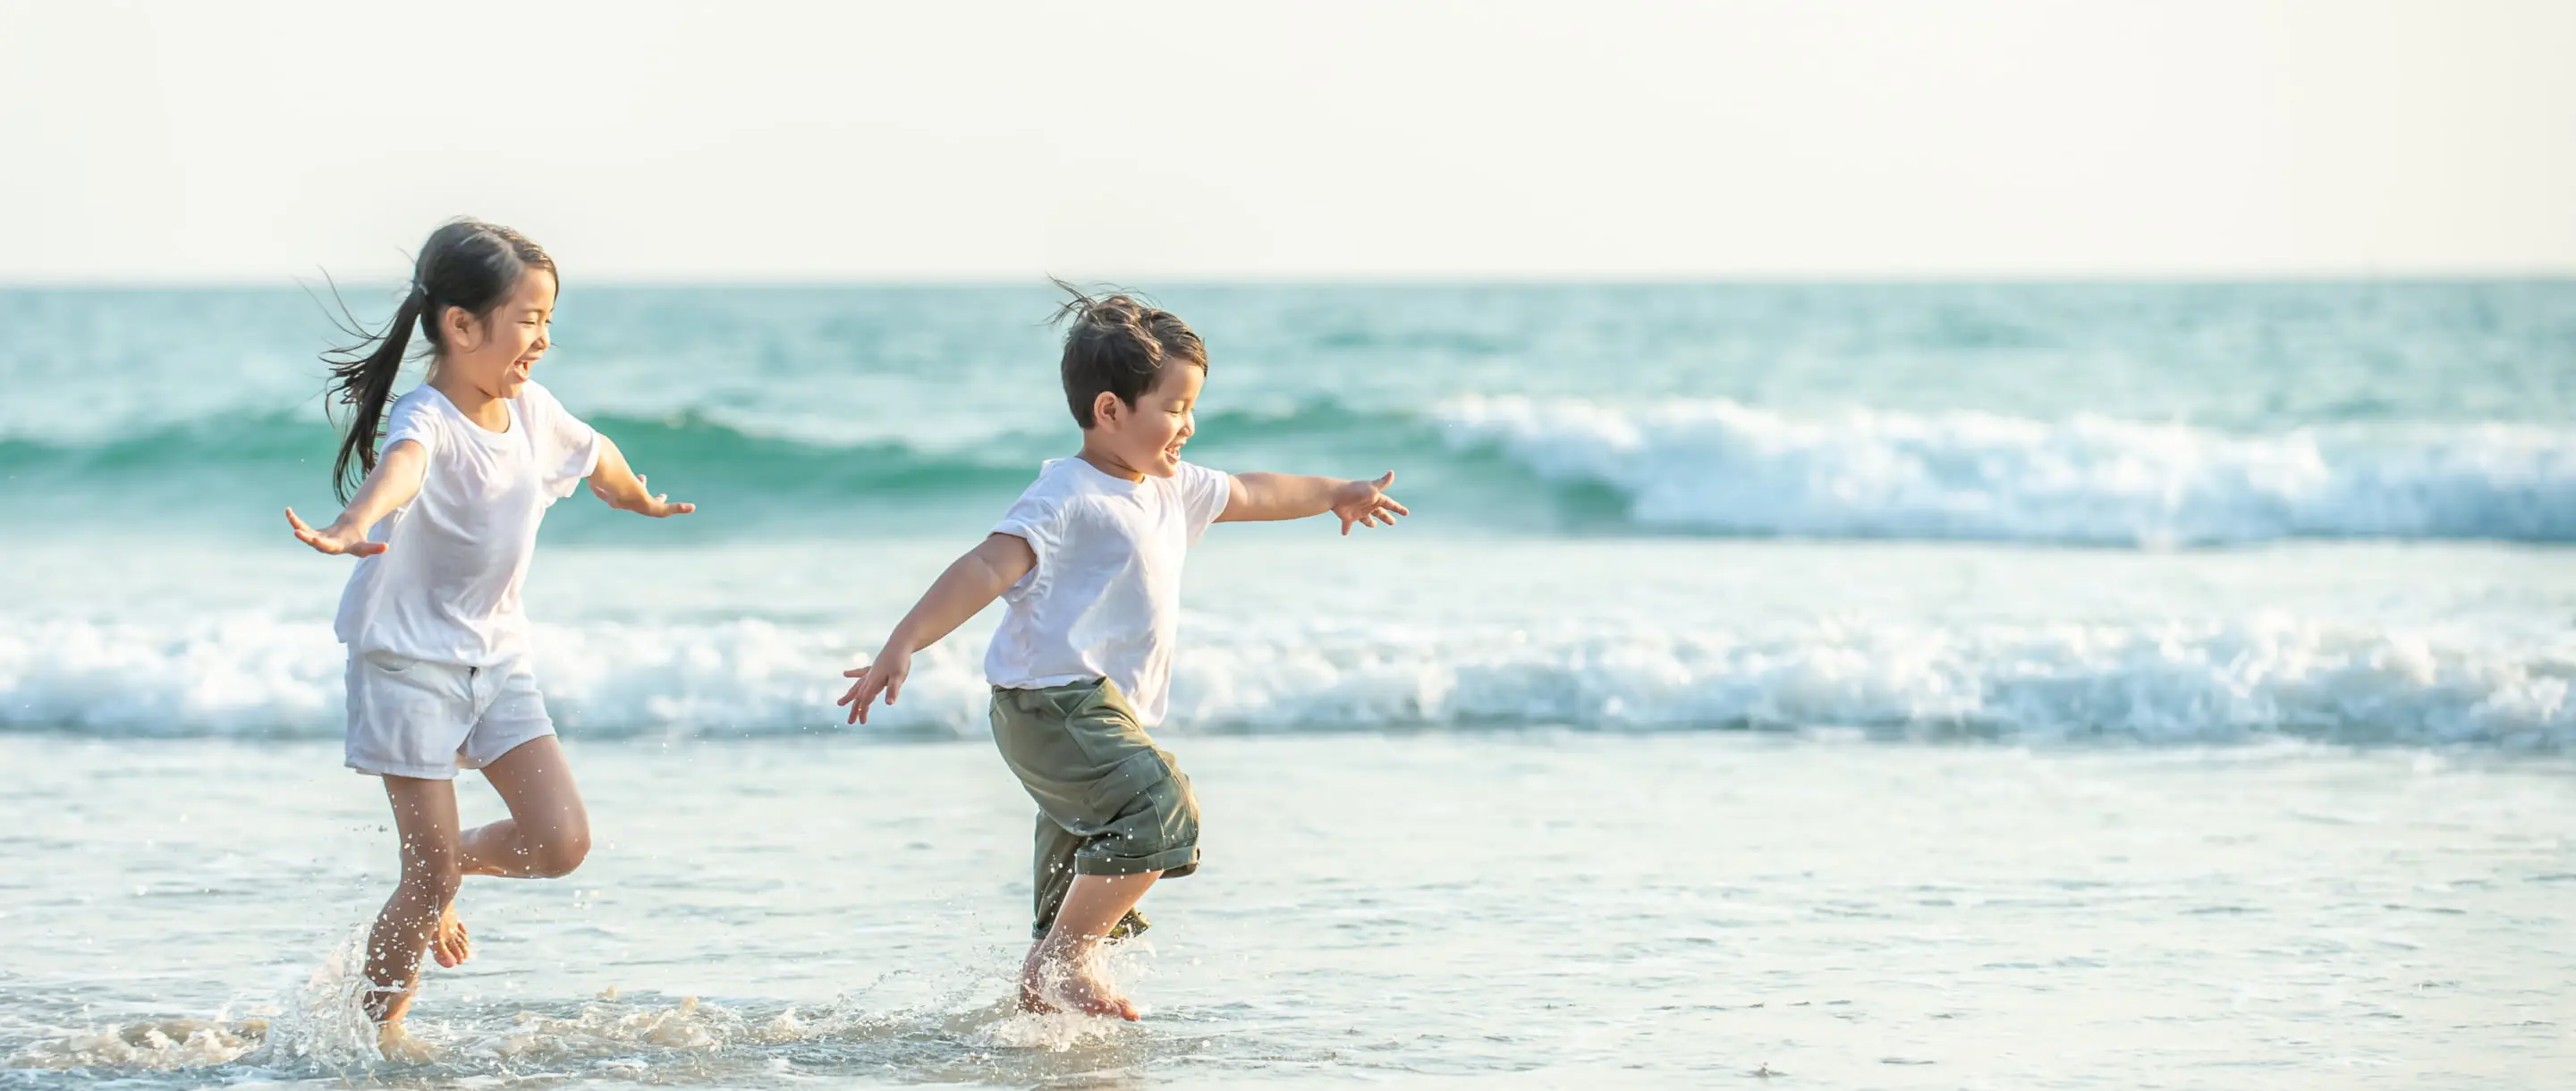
[
  {"x": 323, "y": 1023},
  {"x": 2167, "y": 681},
  {"x": 153, "y": 1045},
  {"x": 325, "y": 1032},
  {"x": 1718, "y": 466}
]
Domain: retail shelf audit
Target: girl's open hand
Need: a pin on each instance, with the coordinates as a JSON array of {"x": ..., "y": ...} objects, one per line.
[
  {"x": 884, "y": 676},
  {"x": 658, "y": 506},
  {"x": 1367, "y": 504},
  {"x": 334, "y": 539}
]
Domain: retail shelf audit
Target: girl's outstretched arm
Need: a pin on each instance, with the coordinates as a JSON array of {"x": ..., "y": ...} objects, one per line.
[
  {"x": 969, "y": 585},
  {"x": 392, "y": 484},
  {"x": 618, "y": 484},
  {"x": 1261, "y": 498}
]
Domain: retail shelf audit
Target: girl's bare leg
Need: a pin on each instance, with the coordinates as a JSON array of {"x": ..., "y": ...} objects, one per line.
[
  {"x": 548, "y": 831},
  {"x": 546, "y": 835},
  {"x": 1064, "y": 967},
  {"x": 423, "y": 900}
]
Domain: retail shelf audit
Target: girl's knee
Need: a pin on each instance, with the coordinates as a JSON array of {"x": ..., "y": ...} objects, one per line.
[{"x": 559, "y": 855}]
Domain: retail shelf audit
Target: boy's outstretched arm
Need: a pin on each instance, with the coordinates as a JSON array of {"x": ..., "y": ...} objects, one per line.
[
  {"x": 1259, "y": 498},
  {"x": 392, "y": 484},
  {"x": 969, "y": 585},
  {"x": 618, "y": 484}
]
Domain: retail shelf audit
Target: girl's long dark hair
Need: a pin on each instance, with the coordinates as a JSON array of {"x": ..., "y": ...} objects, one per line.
[{"x": 466, "y": 263}]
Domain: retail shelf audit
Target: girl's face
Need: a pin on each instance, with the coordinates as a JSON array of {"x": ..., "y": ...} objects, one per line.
[
  {"x": 1147, "y": 436},
  {"x": 493, "y": 353}
]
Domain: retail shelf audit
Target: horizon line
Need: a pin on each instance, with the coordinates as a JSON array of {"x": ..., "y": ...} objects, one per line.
[{"x": 2320, "y": 277}]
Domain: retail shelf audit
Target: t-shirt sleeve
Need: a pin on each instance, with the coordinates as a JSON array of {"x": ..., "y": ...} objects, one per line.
[
  {"x": 1038, "y": 519},
  {"x": 568, "y": 449},
  {"x": 1204, "y": 493},
  {"x": 417, "y": 421}
]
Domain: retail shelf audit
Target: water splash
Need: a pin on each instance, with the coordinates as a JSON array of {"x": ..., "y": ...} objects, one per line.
[{"x": 969, "y": 1029}]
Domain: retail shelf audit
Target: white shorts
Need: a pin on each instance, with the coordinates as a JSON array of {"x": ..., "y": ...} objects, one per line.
[{"x": 413, "y": 718}]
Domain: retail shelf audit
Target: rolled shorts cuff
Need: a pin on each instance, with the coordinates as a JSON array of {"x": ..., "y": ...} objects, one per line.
[
  {"x": 364, "y": 767},
  {"x": 1175, "y": 862},
  {"x": 379, "y": 769},
  {"x": 493, "y": 744}
]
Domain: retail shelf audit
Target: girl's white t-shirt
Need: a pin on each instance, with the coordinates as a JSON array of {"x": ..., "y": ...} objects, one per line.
[
  {"x": 446, "y": 589},
  {"x": 1105, "y": 598}
]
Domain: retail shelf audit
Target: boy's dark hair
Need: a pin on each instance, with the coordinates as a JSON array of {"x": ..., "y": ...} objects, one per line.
[
  {"x": 466, "y": 263},
  {"x": 1117, "y": 344}
]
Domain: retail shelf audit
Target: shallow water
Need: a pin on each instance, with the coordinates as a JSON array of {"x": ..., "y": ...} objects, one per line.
[{"x": 1557, "y": 908}]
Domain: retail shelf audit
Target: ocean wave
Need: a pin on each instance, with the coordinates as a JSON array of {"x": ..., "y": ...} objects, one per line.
[
  {"x": 721, "y": 450},
  {"x": 2266, "y": 675},
  {"x": 1720, "y": 467},
  {"x": 686, "y": 446},
  {"x": 1685, "y": 467}
]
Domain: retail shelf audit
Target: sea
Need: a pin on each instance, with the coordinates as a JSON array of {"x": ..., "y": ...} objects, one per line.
[{"x": 2065, "y": 685}]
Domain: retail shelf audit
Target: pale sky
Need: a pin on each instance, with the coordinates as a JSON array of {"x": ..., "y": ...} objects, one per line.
[{"x": 256, "y": 142}]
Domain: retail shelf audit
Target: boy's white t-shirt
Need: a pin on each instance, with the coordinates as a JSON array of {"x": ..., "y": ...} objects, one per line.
[
  {"x": 447, "y": 587},
  {"x": 1105, "y": 598}
]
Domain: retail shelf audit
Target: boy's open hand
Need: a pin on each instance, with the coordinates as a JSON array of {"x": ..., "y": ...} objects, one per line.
[
  {"x": 334, "y": 539},
  {"x": 1367, "y": 504},
  {"x": 884, "y": 676}
]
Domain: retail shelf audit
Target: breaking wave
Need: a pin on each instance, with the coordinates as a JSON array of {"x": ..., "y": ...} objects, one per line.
[
  {"x": 2266, "y": 675},
  {"x": 1725, "y": 468}
]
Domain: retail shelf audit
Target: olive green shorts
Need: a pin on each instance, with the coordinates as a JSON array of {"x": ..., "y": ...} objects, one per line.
[{"x": 1109, "y": 801}]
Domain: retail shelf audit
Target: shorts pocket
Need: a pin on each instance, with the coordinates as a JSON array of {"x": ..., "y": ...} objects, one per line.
[
  {"x": 439, "y": 679},
  {"x": 1110, "y": 795}
]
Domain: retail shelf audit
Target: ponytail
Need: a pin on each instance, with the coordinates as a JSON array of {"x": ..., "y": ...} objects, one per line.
[
  {"x": 362, "y": 378},
  {"x": 466, "y": 263}
]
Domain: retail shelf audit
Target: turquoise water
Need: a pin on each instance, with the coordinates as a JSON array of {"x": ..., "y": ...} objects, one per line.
[
  {"x": 2148, "y": 512},
  {"x": 1865, "y": 686},
  {"x": 2099, "y": 414}
]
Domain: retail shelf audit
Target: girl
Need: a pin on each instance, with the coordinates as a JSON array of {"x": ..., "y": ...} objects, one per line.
[{"x": 443, "y": 524}]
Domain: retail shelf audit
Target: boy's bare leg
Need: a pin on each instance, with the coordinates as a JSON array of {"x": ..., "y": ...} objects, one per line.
[
  {"x": 1065, "y": 966},
  {"x": 548, "y": 832},
  {"x": 422, "y": 909}
]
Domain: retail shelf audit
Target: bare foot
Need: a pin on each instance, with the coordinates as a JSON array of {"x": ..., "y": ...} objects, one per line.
[
  {"x": 1033, "y": 1002},
  {"x": 400, "y": 1047},
  {"x": 451, "y": 946},
  {"x": 1091, "y": 996},
  {"x": 1072, "y": 983},
  {"x": 1033, "y": 983},
  {"x": 388, "y": 1004}
]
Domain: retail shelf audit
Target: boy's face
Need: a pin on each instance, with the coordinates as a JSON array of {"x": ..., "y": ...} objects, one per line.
[{"x": 1147, "y": 436}]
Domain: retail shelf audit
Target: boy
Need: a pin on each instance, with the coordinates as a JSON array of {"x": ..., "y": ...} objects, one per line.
[{"x": 1088, "y": 563}]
